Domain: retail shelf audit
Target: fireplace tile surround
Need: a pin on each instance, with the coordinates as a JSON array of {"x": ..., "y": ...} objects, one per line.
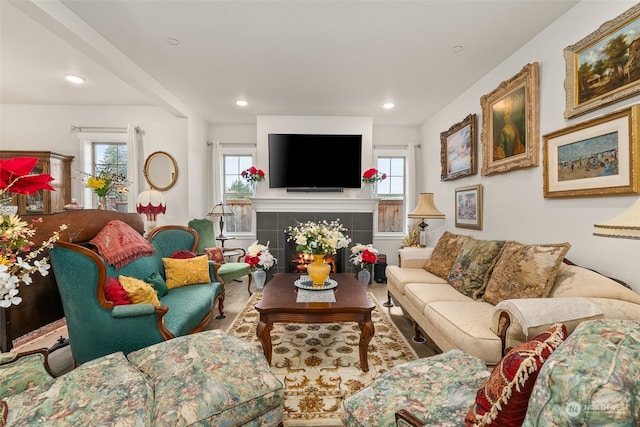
[{"x": 272, "y": 226}]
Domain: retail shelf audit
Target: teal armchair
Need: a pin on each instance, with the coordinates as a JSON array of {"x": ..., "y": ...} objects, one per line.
[
  {"x": 96, "y": 327},
  {"x": 226, "y": 271}
]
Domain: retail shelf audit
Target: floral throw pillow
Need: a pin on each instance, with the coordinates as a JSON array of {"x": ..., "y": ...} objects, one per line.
[
  {"x": 503, "y": 398},
  {"x": 525, "y": 271},
  {"x": 215, "y": 254},
  {"x": 471, "y": 268},
  {"x": 444, "y": 254}
]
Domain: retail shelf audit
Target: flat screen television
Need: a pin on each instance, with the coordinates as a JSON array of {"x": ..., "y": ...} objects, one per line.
[{"x": 310, "y": 162}]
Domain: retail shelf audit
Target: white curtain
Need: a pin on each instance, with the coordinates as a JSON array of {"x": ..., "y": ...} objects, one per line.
[
  {"x": 214, "y": 175},
  {"x": 134, "y": 171}
]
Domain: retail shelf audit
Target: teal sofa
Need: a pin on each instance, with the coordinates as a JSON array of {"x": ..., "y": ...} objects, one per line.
[
  {"x": 96, "y": 327},
  {"x": 206, "y": 379}
]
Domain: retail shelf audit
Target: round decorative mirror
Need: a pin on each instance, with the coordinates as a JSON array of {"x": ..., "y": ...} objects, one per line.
[{"x": 161, "y": 170}]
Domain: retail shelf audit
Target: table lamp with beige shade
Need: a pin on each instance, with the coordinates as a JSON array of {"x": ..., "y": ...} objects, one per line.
[{"x": 426, "y": 209}]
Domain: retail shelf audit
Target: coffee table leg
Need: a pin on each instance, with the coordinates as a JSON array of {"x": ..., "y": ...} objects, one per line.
[
  {"x": 366, "y": 333},
  {"x": 263, "y": 332}
]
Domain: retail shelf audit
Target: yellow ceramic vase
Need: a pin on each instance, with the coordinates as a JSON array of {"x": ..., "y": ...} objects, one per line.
[{"x": 318, "y": 270}]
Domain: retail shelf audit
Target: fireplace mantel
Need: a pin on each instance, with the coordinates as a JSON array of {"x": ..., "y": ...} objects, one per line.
[{"x": 315, "y": 204}]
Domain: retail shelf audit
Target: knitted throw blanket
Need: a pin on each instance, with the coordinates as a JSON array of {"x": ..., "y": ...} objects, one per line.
[{"x": 120, "y": 244}]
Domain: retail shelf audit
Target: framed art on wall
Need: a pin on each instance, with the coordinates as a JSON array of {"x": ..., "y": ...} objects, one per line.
[
  {"x": 604, "y": 67},
  {"x": 598, "y": 157},
  {"x": 510, "y": 128},
  {"x": 468, "y": 207},
  {"x": 458, "y": 149}
]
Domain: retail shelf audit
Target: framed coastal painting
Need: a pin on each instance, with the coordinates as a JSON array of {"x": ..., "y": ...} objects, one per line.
[
  {"x": 604, "y": 67},
  {"x": 458, "y": 149},
  {"x": 598, "y": 157},
  {"x": 468, "y": 207},
  {"x": 510, "y": 123}
]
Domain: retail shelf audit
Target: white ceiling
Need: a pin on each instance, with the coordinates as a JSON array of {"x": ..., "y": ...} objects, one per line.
[{"x": 340, "y": 58}]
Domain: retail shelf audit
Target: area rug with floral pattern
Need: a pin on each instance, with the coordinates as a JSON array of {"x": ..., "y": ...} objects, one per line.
[{"x": 319, "y": 363}]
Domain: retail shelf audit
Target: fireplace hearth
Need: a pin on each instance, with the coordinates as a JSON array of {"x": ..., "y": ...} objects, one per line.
[{"x": 272, "y": 226}]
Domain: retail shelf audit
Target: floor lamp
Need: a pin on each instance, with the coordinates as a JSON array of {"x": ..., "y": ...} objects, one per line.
[
  {"x": 625, "y": 226},
  {"x": 426, "y": 209}
]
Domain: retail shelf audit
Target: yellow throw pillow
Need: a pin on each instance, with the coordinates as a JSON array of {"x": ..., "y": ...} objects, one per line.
[
  {"x": 140, "y": 292},
  {"x": 190, "y": 271}
]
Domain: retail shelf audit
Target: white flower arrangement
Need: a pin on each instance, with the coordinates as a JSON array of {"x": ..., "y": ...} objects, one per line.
[
  {"x": 319, "y": 238},
  {"x": 259, "y": 257}
]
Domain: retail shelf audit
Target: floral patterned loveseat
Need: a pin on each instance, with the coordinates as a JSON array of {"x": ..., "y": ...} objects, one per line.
[{"x": 208, "y": 378}]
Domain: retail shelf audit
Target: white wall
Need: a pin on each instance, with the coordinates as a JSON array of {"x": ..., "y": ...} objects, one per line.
[{"x": 514, "y": 206}]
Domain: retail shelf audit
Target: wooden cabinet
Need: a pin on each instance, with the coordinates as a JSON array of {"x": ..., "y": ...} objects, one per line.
[{"x": 59, "y": 167}]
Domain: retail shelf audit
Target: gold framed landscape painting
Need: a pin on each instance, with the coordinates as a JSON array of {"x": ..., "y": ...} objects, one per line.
[
  {"x": 458, "y": 149},
  {"x": 510, "y": 123},
  {"x": 604, "y": 67},
  {"x": 468, "y": 207},
  {"x": 598, "y": 157}
]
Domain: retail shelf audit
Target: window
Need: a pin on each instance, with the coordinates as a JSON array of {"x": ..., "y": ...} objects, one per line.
[
  {"x": 110, "y": 158},
  {"x": 237, "y": 192},
  {"x": 391, "y": 207}
]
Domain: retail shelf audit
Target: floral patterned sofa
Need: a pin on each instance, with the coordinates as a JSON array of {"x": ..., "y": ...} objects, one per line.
[
  {"x": 590, "y": 378},
  {"x": 208, "y": 378},
  {"x": 486, "y": 296}
]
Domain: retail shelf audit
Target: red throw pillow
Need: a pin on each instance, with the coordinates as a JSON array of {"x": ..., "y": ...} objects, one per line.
[
  {"x": 114, "y": 292},
  {"x": 503, "y": 398},
  {"x": 182, "y": 254},
  {"x": 215, "y": 254}
]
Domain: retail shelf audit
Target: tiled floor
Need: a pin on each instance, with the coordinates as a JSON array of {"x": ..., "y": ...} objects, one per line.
[{"x": 235, "y": 299}]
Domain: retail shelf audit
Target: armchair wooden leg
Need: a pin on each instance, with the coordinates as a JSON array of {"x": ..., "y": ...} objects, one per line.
[{"x": 249, "y": 284}]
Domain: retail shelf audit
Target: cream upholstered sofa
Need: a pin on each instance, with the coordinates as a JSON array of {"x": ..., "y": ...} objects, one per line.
[{"x": 485, "y": 320}]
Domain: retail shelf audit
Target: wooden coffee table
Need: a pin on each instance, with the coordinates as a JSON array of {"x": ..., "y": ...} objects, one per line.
[{"x": 279, "y": 305}]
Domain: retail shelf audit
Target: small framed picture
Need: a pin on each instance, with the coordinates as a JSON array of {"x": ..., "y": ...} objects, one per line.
[
  {"x": 469, "y": 207},
  {"x": 510, "y": 123},
  {"x": 602, "y": 69},
  {"x": 598, "y": 157},
  {"x": 458, "y": 149}
]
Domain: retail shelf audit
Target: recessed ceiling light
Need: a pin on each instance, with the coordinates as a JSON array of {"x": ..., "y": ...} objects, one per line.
[
  {"x": 241, "y": 103},
  {"x": 388, "y": 105},
  {"x": 457, "y": 49},
  {"x": 173, "y": 41},
  {"x": 74, "y": 78}
]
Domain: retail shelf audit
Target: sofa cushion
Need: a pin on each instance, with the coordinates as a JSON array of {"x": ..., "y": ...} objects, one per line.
[
  {"x": 400, "y": 276},
  {"x": 216, "y": 379},
  {"x": 101, "y": 392},
  {"x": 503, "y": 398},
  {"x": 27, "y": 371},
  {"x": 434, "y": 389},
  {"x": 472, "y": 267},
  {"x": 158, "y": 283},
  {"x": 467, "y": 326},
  {"x": 115, "y": 292},
  {"x": 444, "y": 254},
  {"x": 421, "y": 294},
  {"x": 592, "y": 379},
  {"x": 189, "y": 306},
  {"x": 190, "y": 271},
  {"x": 139, "y": 291},
  {"x": 215, "y": 254},
  {"x": 524, "y": 271}
]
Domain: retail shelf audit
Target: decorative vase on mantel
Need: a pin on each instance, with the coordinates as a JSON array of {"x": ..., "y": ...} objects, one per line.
[
  {"x": 373, "y": 187},
  {"x": 364, "y": 277},
  {"x": 318, "y": 270},
  {"x": 259, "y": 278},
  {"x": 8, "y": 210},
  {"x": 252, "y": 188}
]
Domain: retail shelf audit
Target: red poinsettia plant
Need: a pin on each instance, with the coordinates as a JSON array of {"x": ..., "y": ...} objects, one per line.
[
  {"x": 253, "y": 174},
  {"x": 16, "y": 177},
  {"x": 373, "y": 175}
]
